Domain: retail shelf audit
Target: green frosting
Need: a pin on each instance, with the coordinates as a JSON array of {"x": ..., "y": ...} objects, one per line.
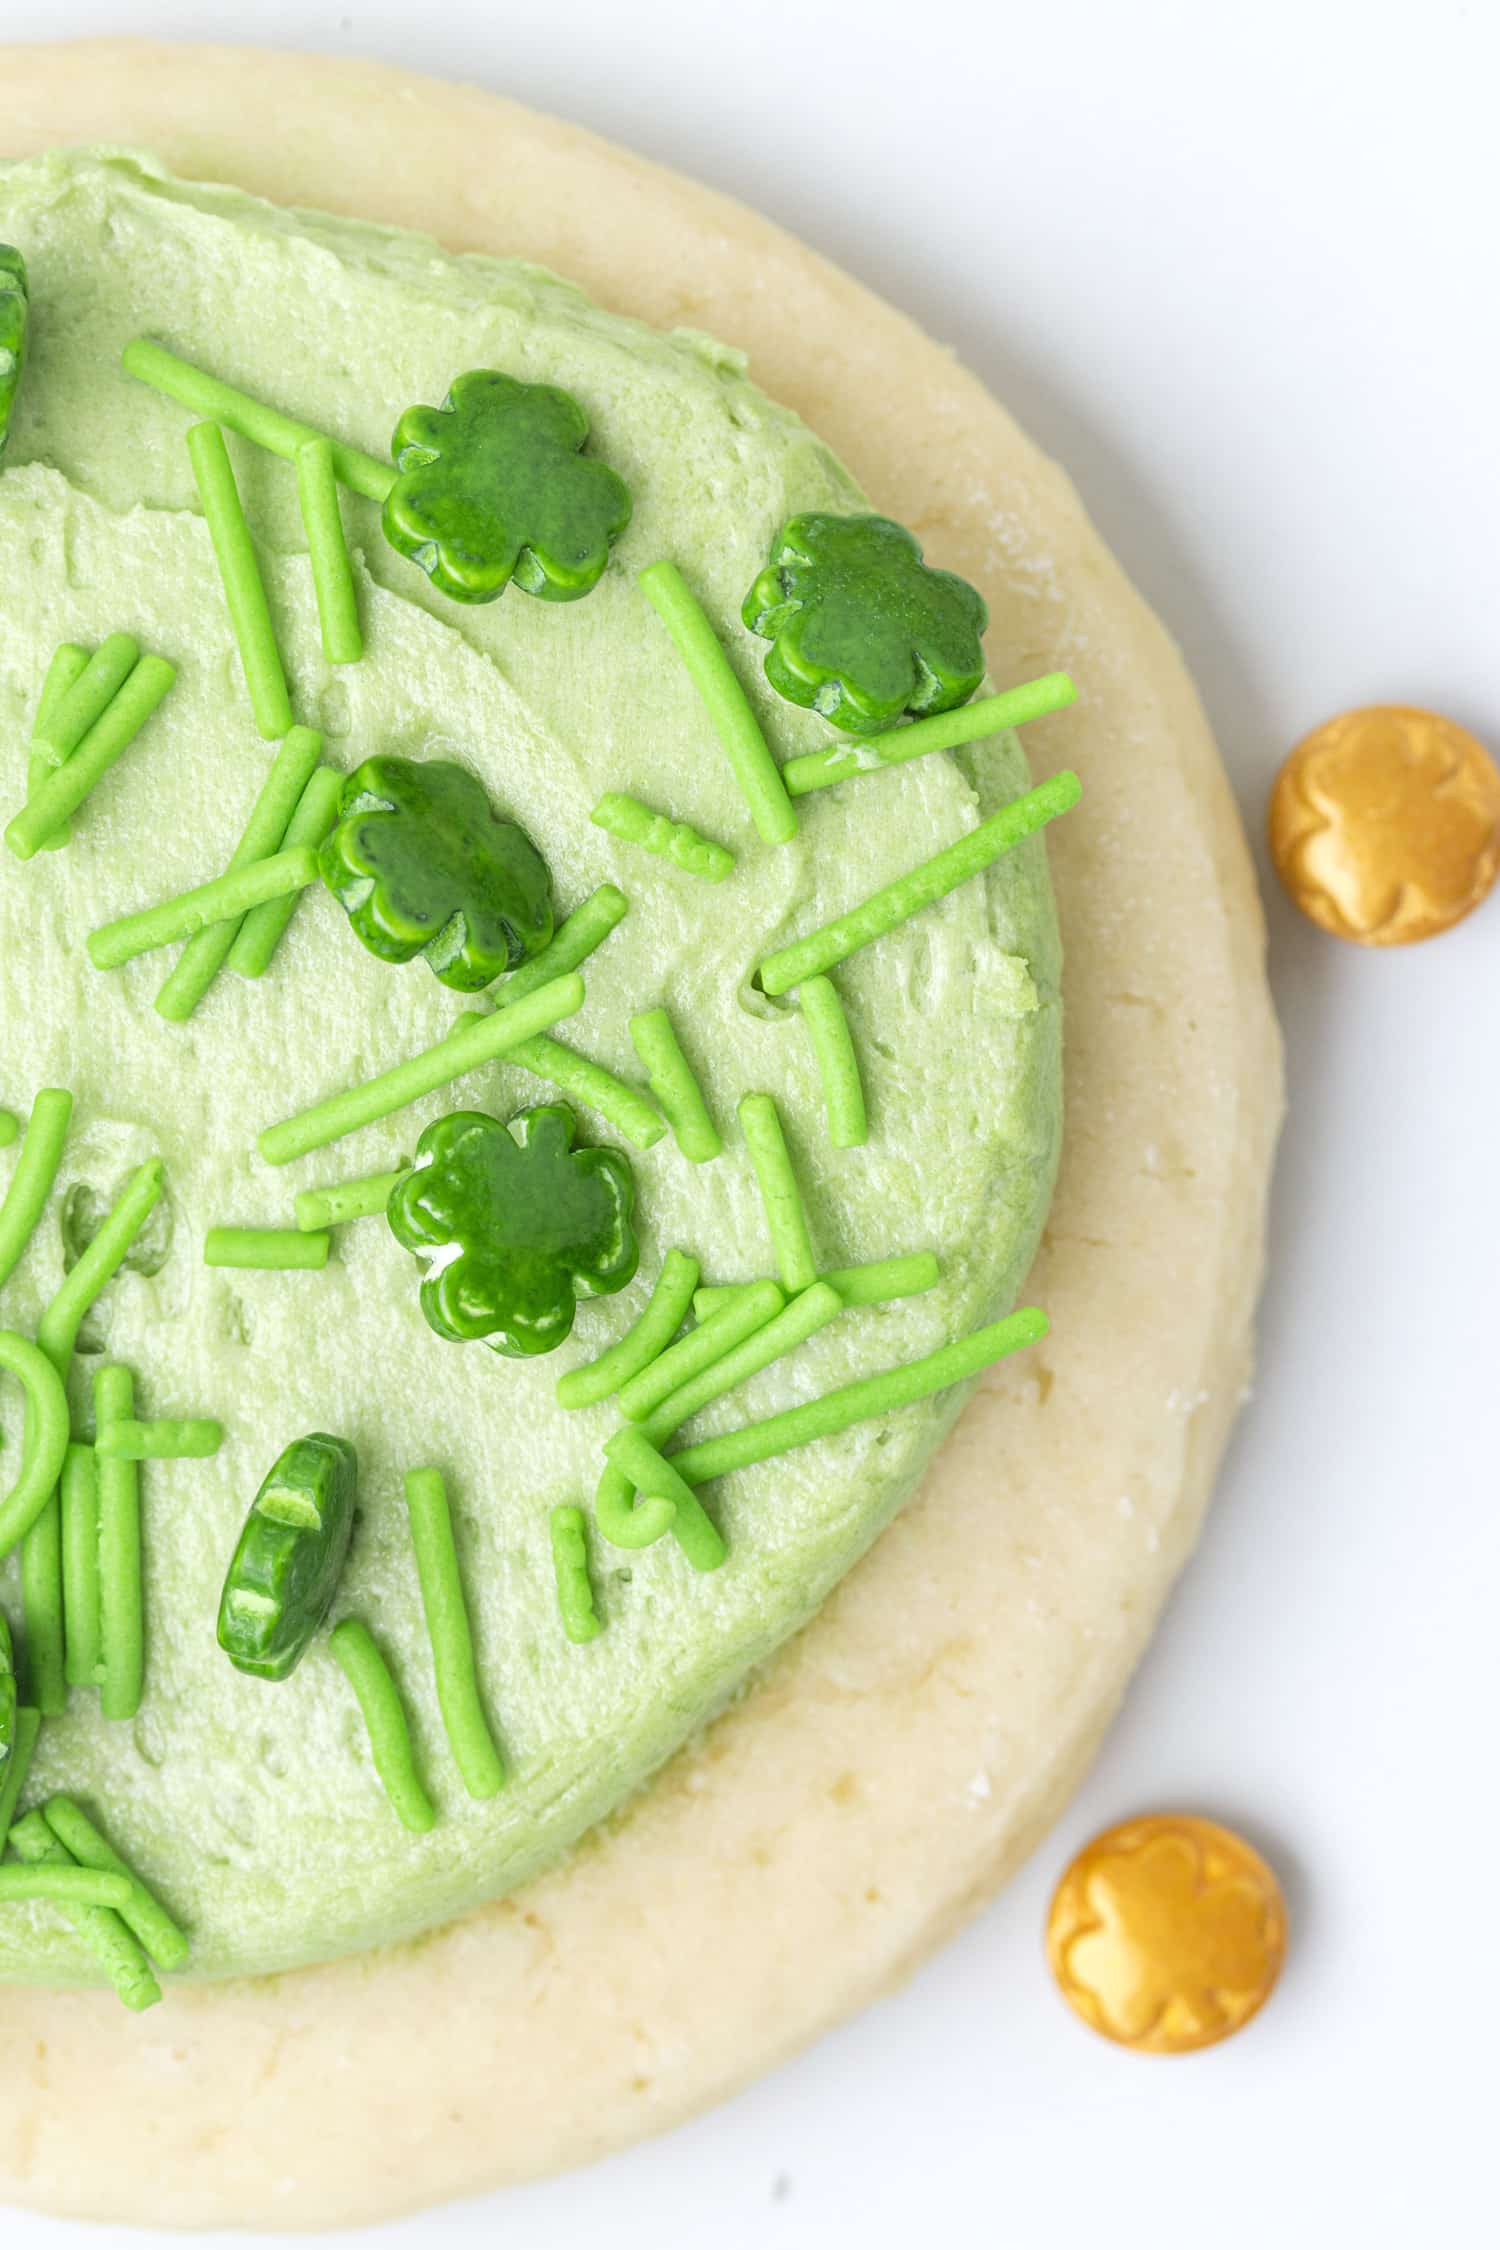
[
  {"x": 14, "y": 315},
  {"x": 254, "y": 1807},
  {"x": 515, "y": 1224},
  {"x": 291, "y": 1555},
  {"x": 494, "y": 487},
  {"x": 861, "y": 629},
  {"x": 421, "y": 862}
]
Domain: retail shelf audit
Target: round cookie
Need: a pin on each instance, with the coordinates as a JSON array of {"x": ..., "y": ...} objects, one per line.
[{"x": 992, "y": 1630}]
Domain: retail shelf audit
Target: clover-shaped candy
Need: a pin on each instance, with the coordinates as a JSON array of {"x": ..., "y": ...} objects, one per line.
[
  {"x": 861, "y": 629},
  {"x": 422, "y": 863},
  {"x": 494, "y": 485},
  {"x": 14, "y": 312},
  {"x": 514, "y": 1225}
]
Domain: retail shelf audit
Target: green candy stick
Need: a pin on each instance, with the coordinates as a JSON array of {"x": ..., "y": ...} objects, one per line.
[
  {"x": 635, "y": 823},
  {"x": 225, "y": 899},
  {"x": 249, "y": 417},
  {"x": 354, "y": 1651},
  {"x": 130, "y": 1440},
  {"x": 590, "y": 1084},
  {"x": 328, "y": 552},
  {"x": 140, "y": 1910},
  {"x": 122, "y": 1654},
  {"x": 640, "y": 1345},
  {"x": 703, "y": 1347},
  {"x": 570, "y": 1561},
  {"x": 841, "y": 761},
  {"x": 57, "y": 1331},
  {"x": 838, "y": 1064},
  {"x": 68, "y": 664},
  {"x": 802, "y": 1319},
  {"x": 16, "y": 1767},
  {"x": 469, "y": 1737},
  {"x": 64, "y": 1886},
  {"x": 80, "y": 1566},
  {"x": 204, "y": 955},
  {"x": 584, "y": 931},
  {"x": 113, "y": 1945},
  {"x": 879, "y": 1283},
  {"x": 823, "y": 949},
  {"x": 244, "y": 587},
  {"x": 626, "y": 1519},
  {"x": 10, "y": 1128},
  {"x": 727, "y": 704},
  {"x": 786, "y": 1219},
  {"x": 46, "y": 1439},
  {"x": 671, "y": 1079},
  {"x": 632, "y": 1453},
  {"x": 266, "y": 1248},
  {"x": 62, "y": 724},
  {"x": 320, "y": 1208},
  {"x": 482, "y": 1040},
  {"x": 264, "y": 926},
  {"x": 42, "y": 1610},
  {"x": 36, "y": 1169},
  {"x": 50, "y": 807}
]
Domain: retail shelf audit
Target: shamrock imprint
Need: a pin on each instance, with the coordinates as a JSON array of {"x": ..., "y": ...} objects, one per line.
[
  {"x": 861, "y": 629},
  {"x": 494, "y": 485}
]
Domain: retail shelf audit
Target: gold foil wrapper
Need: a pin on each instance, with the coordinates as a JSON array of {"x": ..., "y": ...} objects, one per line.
[
  {"x": 1385, "y": 825},
  {"x": 1167, "y": 1933}
]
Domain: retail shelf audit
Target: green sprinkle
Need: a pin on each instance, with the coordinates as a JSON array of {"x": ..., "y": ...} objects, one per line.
[
  {"x": 268, "y": 1248},
  {"x": 129, "y": 1440},
  {"x": 838, "y": 1064},
  {"x": 728, "y": 705},
  {"x": 204, "y": 955},
  {"x": 328, "y": 552},
  {"x": 244, "y": 588},
  {"x": 64, "y": 1886},
  {"x": 802, "y": 1318},
  {"x": 478, "y": 1040},
  {"x": 840, "y": 761},
  {"x": 249, "y": 417},
  {"x": 640, "y": 1345},
  {"x": 46, "y": 1440},
  {"x": 16, "y": 1767},
  {"x": 704, "y": 1347},
  {"x": 779, "y": 1192},
  {"x": 318, "y": 1208},
  {"x": 60, "y": 795},
  {"x": 121, "y": 1607},
  {"x": 263, "y": 927},
  {"x": 570, "y": 946},
  {"x": 114, "y": 1946},
  {"x": 69, "y": 662},
  {"x": 42, "y": 1610},
  {"x": 140, "y": 1911},
  {"x": 10, "y": 1128},
  {"x": 62, "y": 724},
  {"x": 80, "y": 1566},
  {"x": 225, "y": 899},
  {"x": 632, "y": 1453},
  {"x": 31, "y": 1181},
  {"x": 623, "y": 1519},
  {"x": 934, "y": 879},
  {"x": 57, "y": 1331},
  {"x": 589, "y": 1083},
  {"x": 671, "y": 1079},
  {"x": 468, "y": 1732},
  {"x": 885, "y": 1279},
  {"x": 635, "y": 823},
  {"x": 879, "y": 1394},
  {"x": 379, "y": 1700},
  {"x": 575, "y": 1591}
]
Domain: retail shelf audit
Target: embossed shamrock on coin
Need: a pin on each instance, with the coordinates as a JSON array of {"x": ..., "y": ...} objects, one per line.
[
  {"x": 421, "y": 862},
  {"x": 514, "y": 1225},
  {"x": 495, "y": 486},
  {"x": 860, "y": 628}
]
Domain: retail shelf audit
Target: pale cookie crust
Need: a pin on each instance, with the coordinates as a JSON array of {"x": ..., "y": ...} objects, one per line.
[{"x": 899, "y": 1759}]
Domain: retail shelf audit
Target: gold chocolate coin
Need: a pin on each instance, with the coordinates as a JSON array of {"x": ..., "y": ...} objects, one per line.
[
  {"x": 1385, "y": 824},
  {"x": 1167, "y": 1933}
]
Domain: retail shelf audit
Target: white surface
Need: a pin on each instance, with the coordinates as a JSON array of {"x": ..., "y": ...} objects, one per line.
[{"x": 1240, "y": 277}]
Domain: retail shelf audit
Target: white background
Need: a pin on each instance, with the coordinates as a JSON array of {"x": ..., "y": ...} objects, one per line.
[{"x": 1236, "y": 264}]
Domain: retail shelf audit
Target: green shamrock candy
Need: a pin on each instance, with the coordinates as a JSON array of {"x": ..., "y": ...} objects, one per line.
[
  {"x": 421, "y": 862},
  {"x": 494, "y": 486},
  {"x": 861, "y": 629},
  {"x": 290, "y": 1557},
  {"x": 14, "y": 314},
  {"x": 514, "y": 1225}
]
